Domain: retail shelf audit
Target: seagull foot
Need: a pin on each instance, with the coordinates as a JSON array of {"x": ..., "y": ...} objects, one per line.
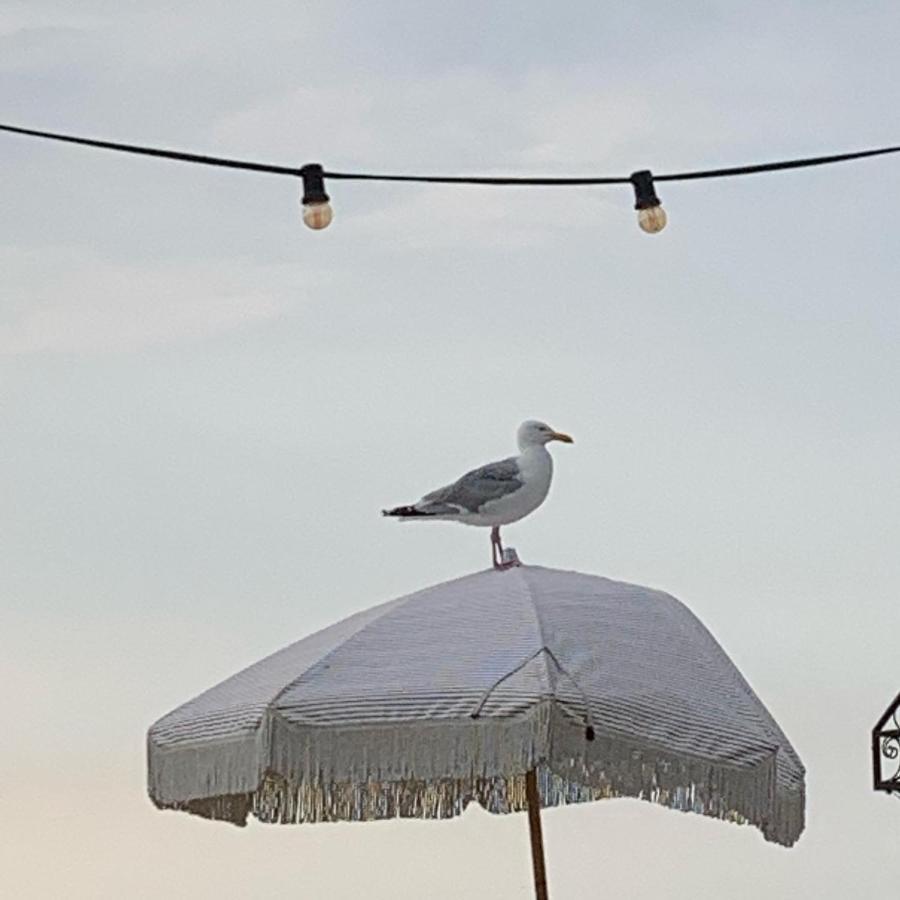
[{"x": 509, "y": 559}]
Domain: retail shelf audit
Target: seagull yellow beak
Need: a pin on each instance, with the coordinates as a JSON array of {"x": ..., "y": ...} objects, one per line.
[{"x": 559, "y": 436}]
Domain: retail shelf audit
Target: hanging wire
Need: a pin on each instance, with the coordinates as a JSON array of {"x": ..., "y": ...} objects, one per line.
[
  {"x": 447, "y": 179},
  {"x": 156, "y": 151},
  {"x": 318, "y": 214}
]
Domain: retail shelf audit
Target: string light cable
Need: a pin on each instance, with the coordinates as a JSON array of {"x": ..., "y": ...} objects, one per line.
[{"x": 318, "y": 213}]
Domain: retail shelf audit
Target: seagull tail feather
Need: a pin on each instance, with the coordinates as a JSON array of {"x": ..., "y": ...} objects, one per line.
[{"x": 405, "y": 512}]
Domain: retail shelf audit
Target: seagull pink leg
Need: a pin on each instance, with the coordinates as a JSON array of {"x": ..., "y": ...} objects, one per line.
[{"x": 496, "y": 548}]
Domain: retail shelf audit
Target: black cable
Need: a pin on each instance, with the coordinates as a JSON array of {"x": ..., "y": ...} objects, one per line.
[
  {"x": 446, "y": 179},
  {"x": 676, "y": 176},
  {"x": 776, "y": 166},
  {"x": 154, "y": 151},
  {"x": 478, "y": 179}
]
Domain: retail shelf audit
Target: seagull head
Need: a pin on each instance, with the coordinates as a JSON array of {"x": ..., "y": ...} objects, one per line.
[{"x": 536, "y": 434}]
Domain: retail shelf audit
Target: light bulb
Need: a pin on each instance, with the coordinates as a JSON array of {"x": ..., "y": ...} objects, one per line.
[
  {"x": 651, "y": 216},
  {"x": 317, "y": 215},
  {"x": 652, "y": 219}
]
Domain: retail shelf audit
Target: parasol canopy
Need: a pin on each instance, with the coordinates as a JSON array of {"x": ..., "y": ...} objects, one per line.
[{"x": 456, "y": 693}]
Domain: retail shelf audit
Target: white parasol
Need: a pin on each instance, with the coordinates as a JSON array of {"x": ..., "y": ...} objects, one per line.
[{"x": 516, "y": 689}]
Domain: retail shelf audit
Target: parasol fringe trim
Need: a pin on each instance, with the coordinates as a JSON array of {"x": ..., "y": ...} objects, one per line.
[{"x": 739, "y": 795}]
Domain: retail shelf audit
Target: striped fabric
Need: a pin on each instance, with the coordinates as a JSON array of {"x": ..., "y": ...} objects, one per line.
[{"x": 423, "y": 704}]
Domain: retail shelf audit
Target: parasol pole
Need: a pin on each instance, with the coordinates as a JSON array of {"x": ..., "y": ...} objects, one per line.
[{"x": 537, "y": 840}]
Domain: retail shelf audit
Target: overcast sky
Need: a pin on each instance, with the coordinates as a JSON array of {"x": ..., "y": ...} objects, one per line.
[{"x": 204, "y": 405}]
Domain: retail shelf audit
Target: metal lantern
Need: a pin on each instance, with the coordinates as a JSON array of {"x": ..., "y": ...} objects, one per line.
[{"x": 886, "y": 750}]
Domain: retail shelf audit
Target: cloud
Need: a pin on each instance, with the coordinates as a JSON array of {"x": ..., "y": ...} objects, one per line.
[
  {"x": 457, "y": 122},
  {"x": 22, "y": 18},
  {"x": 75, "y": 301},
  {"x": 479, "y": 219},
  {"x": 546, "y": 120}
]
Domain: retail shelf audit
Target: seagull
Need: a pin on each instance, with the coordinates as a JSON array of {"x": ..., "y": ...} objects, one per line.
[{"x": 495, "y": 494}]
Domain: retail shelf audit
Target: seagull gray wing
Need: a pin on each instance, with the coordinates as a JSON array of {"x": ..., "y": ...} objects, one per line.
[{"x": 476, "y": 488}]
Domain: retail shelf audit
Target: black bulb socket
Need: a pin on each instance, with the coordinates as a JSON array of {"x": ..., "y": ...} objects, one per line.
[
  {"x": 313, "y": 184},
  {"x": 644, "y": 191}
]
